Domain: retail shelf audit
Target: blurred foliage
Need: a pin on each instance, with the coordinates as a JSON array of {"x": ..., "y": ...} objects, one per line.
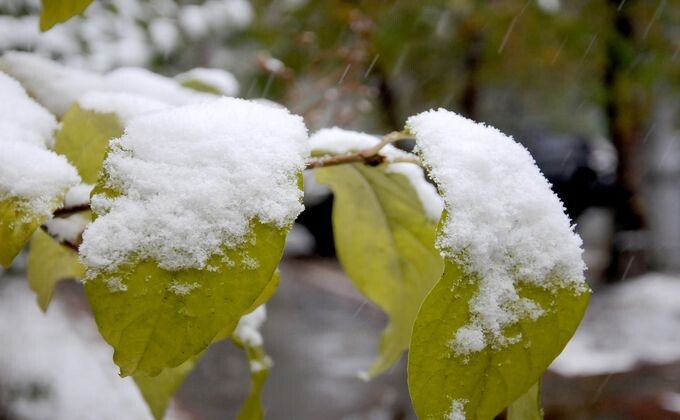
[{"x": 513, "y": 63}]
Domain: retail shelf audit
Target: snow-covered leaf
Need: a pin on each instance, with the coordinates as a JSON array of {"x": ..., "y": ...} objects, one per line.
[
  {"x": 384, "y": 239},
  {"x": 215, "y": 81},
  {"x": 58, "y": 11},
  {"x": 193, "y": 209},
  {"x": 49, "y": 262},
  {"x": 33, "y": 180},
  {"x": 528, "y": 406},
  {"x": 513, "y": 291},
  {"x": 488, "y": 380},
  {"x": 156, "y": 318}
]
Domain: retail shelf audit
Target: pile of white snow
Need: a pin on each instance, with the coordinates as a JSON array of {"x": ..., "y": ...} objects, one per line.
[
  {"x": 57, "y": 87},
  {"x": 29, "y": 173},
  {"x": 504, "y": 225},
  {"x": 626, "y": 325},
  {"x": 192, "y": 180},
  {"x": 220, "y": 80},
  {"x": 338, "y": 141},
  {"x": 63, "y": 357}
]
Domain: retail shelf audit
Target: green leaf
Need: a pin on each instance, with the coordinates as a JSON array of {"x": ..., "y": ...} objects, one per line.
[
  {"x": 49, "y": 262},
  {"x": 158, "y": 390},
  {"x": 199, "y": 86},
  {"x": 385, "y": 243},
  {"x": 265, "y": 295},
  {"x": 528, "y": 406},
  {"x": 151, "y": 327},
  {"x": 487, "y": 381},
  {"x": 84, "y": 138},
  {"x": 268, "y": 291},
  {"x": 57, "y": 11},
  {"x": 259, "y": 364},
  {"x": 17, "y": 225}
]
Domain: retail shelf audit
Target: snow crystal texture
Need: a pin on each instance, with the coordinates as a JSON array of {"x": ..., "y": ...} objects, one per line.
[
  {"x": 29, "y": 172},
  {"x": 192, "y": 179},
  {"x": 504, "y": 224}
]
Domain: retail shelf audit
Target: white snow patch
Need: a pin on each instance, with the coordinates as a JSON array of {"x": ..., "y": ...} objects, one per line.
[
  {"x": 116, "y": 284},
  {"x": 218, "y": 79},
  {"x": 248, "y": 329},
  {"x": 57, "y": 87},
  {"x": 125, "y": 105},
  {"x": 78, "y": 195},
  {"x": 38, "y": 178},
  {"x": 63, "y": 355},
  {"x": 625, "y": 326},
  {"x": 505, "y": 224},
  {"x": 457, "y": 411},
  {"x": 338, "y": 141},
  {"x": 192, "y": 180},
  {"x": 67, "y": 229},
  {"x": 144, "y": 82},
  {"x": 183, "y": 289},
  {"x": 22, "y": 118}
]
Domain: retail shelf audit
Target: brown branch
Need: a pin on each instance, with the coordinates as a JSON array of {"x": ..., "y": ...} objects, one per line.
[
  {"x": 370, "y": 156},
  {"x": 68, "y": 211},
  {"x": 73, "y": 246}
]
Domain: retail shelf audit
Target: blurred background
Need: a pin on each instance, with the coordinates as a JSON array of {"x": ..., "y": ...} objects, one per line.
[{"x": 590, "y": 87}]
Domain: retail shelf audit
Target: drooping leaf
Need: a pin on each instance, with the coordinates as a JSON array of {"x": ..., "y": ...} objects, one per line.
[
  {"x": 152, "y": 327},
  {"x": 49, "y": 262},
  {"x": 84, "y": 138},
  {"x": 57, "y": 11},
  {"x": 484, "y": 382},
  {"x": 259, "y": 364},
  {"x": 16, "y": 228},
  {"x": 158, "y": 390},
  {"x": 385, "y": 243},
  {"x": 528, "y": 406}
]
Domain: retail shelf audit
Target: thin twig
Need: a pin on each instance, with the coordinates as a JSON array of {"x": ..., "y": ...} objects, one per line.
[
  {"x": 370, "y": 156},
  {"x": 68, "y": 211},
  {"x": 68, "y": 244}
]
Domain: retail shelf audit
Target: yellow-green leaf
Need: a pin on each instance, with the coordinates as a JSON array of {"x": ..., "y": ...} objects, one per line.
[
  {"x": 158, "y": 390},
  {"x": 385, "y": 243},
  {"x": 17, "y": 225},
  {"x": 84, "y": 138},
  {"x": 58, "y": 11},
  {"x": 265, "y": 295},
  {"x": 153, "y": 327},
  {"x": 528, "y": 406},
  {"x": 49, "y": 262},
  {"x": 483, "y": 383},
  {"x": 268, "y": 291}
]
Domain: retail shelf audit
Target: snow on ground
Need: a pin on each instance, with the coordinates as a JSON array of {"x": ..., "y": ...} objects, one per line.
[
  {"x": 626, "y": 325},
  {"x": 55, "y": 366}
]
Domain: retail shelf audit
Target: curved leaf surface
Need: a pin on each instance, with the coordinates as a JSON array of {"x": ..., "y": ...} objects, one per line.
[
  {"x": 483, "y": 383},
  {"x": 385, "y": 243},
  {"x": 49, "y": 263}
]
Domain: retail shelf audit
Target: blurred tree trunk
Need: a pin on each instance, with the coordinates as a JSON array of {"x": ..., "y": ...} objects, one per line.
[
  {"x": 472, "y": 38},
  {"x": 627, "y": 113}
]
